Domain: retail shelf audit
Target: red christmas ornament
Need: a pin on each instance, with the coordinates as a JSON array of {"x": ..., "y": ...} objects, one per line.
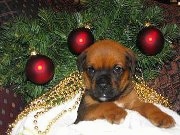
[
  {"x": 39, "y": 69},
  {"x": 150, "y": 41},
  {"x": 79, "y": 39}
]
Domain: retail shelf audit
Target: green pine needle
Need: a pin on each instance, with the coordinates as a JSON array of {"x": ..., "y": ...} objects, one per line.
[{"x": 120, "y": 20}]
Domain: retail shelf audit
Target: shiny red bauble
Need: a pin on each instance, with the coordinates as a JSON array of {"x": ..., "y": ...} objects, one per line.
[
  {"x": 79, "y": 39},
  {"x": 39, "y": 69},
  {"x": 150, "y": 41}
]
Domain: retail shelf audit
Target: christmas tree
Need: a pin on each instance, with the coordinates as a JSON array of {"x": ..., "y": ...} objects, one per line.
[{"x": 47, "y": 35}]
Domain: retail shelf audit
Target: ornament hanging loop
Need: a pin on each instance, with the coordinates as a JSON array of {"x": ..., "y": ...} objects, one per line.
[
  {"x": 33, "y": 51},
  {"x": 147, "y": 24}
]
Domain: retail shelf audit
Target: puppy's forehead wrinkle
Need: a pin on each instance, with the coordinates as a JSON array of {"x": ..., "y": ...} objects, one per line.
[
  {"x": 107, "y": 46},
  {"x": 108, "y": 60},
  {"x": 106, "y": 53}
]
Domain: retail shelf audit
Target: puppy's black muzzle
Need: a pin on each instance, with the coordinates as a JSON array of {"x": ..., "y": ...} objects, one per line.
[
  {"x": 103, "y": 82},
  {"x": 104, "y": 90}
]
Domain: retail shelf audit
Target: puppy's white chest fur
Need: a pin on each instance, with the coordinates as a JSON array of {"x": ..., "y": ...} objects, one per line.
[{"x": 119, "y": 104}]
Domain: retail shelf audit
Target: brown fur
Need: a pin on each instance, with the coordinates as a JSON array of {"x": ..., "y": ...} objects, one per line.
[{"x": 101, "y": 59}]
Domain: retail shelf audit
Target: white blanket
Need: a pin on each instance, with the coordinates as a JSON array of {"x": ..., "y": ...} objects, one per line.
[{"x": 134, "y": 124}]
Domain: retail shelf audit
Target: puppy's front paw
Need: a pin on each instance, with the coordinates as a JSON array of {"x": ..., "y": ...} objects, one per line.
[
  {"x": 115, "y": 116},
  {"x": 161, "y": 119}
]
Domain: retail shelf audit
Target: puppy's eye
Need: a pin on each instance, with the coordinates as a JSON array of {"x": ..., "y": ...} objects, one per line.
[
  {"x": 117, "y": 69},
  {"x": 91, "y": 70}
]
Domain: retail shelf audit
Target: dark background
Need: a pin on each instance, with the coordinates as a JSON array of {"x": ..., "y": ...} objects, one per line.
[{"x": 167, "y": 83}]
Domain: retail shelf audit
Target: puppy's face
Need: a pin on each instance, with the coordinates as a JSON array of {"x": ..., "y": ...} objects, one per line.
[{"x": 107, "y": 69}]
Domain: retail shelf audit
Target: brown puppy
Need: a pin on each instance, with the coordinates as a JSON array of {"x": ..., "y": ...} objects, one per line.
[{"x": 108, "y": 68}]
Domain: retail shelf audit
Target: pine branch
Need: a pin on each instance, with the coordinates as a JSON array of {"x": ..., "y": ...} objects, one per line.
[{"x": 120, "y": 20}]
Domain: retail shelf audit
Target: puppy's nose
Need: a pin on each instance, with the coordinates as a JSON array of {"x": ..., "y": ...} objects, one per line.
[
  {"x": 103, "y": 85},
  {"x": 103, "y": 82}
]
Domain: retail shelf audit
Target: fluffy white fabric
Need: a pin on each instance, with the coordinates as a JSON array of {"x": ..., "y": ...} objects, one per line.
[{"x": 134, "y": 124}]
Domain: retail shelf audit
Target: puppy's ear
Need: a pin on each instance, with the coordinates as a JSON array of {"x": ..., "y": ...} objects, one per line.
[
  {"x": 131, "y": 61},
  {"x": 81, "y": 61}
]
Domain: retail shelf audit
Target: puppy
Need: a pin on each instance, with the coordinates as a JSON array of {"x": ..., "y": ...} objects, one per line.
[{"x": 108, "y": 69}]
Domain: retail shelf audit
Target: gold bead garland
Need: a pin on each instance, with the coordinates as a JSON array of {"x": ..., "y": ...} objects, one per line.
[
  {"x": 62, "y": 92},
  {"x": 66, "y": 90},
  {"x": 149, "y": 95}
]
